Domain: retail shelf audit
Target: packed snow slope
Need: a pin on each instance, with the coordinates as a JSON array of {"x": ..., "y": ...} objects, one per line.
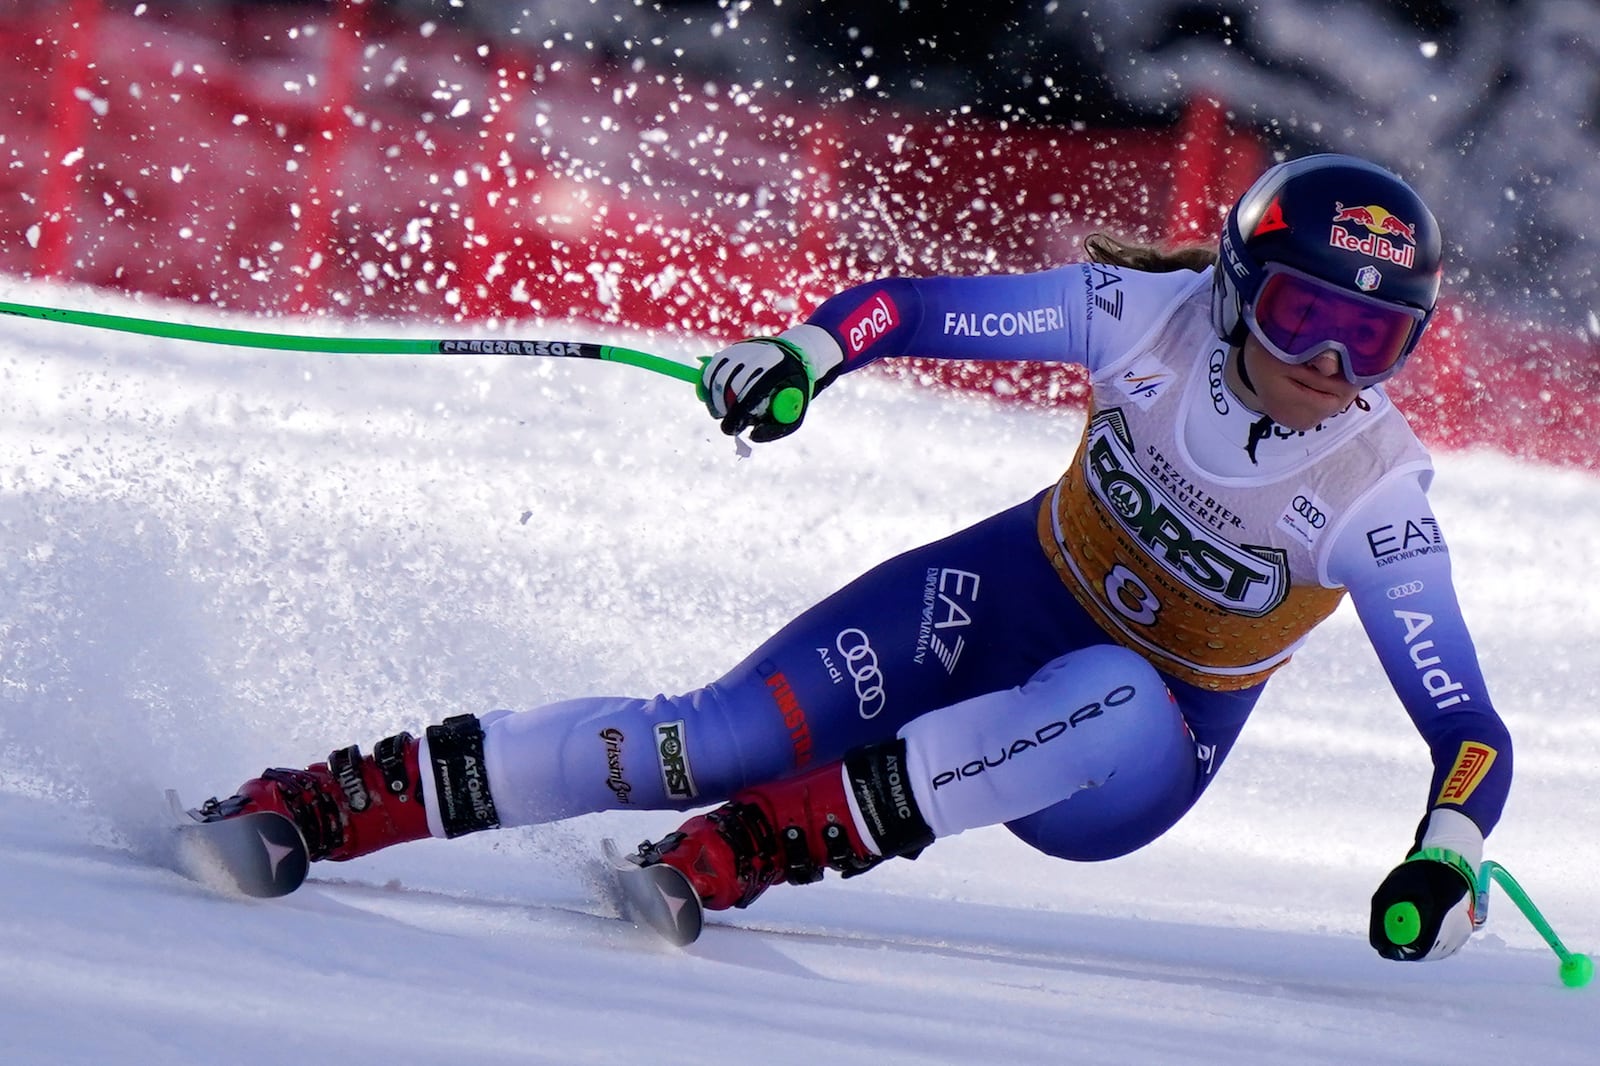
[{"x": 215, "y": 560}]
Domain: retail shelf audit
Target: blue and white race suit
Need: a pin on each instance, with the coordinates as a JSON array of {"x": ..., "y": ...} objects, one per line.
[{"x": 1079, "y": 665}]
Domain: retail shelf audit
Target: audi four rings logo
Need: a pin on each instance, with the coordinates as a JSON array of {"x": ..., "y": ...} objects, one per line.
[
  {"x": 861, "y": 662},
  {"x": 1214, "y": 368},
  {"x": 1308, "y": 510},
  {"x": 1400, "y": 592}
]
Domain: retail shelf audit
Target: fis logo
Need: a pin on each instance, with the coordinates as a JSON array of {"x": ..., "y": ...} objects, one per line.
[{"x": 1144, "y": 381}]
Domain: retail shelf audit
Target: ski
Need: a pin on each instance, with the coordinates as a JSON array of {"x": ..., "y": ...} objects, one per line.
[
  {"x": 260, "y": 854},
  {"x": 656, "y": 895}
]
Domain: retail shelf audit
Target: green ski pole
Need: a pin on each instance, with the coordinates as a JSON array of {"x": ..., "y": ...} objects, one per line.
[
  {"x": 1402, "y": 923},
  {"x": 1576, "y": 967},
  {"x": 786, "y": 406}
]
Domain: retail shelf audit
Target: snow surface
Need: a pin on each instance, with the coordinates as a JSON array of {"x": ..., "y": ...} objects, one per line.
[{"x": 219, "y": 559}]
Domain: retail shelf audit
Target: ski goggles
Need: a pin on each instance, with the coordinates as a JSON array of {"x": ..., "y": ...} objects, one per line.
[{"x": 1297, "y": 317}]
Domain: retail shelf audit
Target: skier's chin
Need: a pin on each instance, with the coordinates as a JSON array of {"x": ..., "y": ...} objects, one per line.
[{"x": 1301, "y": 406}]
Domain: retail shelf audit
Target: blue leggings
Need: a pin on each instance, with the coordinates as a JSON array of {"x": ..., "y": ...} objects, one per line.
[{"x": 979, "y": 619}]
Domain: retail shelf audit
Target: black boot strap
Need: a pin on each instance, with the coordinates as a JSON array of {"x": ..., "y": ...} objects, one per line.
[
  {"x": 455, "y": 748},
  {"x": 390, "y": 755},
  {"x": 345, "y": 765}
]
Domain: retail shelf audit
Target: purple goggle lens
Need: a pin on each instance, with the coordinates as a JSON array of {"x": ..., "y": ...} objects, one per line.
[{"x": 1297, "y": 317}]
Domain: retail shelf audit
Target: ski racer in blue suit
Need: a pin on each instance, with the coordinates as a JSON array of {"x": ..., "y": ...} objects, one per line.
[{"x": 1078, "y": 666}]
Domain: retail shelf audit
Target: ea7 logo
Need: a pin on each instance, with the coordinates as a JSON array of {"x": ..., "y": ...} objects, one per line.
[
  {"x": 1405, "y": 540},
  {"x": 1102, "y": 278},
  {"x": 947, "y": 596}
]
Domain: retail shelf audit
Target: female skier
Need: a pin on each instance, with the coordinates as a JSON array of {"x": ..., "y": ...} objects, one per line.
[{"x": 1078, "y": 666}]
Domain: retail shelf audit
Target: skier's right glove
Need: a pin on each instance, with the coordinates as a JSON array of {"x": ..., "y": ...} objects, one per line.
[
  {"x": 766, "y": 384},
  {"x": 1424, "y": 909}
]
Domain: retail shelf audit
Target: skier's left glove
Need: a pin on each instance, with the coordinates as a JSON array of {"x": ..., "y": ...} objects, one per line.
[
  {"x": 1424, "y": 909},
  {"x": 766, "y": 384}
]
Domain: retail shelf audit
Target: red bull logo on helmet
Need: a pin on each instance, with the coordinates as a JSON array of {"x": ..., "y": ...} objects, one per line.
[{"x": 1387, "y": 237}]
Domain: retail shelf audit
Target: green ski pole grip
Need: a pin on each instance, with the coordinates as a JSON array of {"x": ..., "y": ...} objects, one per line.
[
  {"x": 788, "y": 405},
  {"x": 1402, "y": 924}
]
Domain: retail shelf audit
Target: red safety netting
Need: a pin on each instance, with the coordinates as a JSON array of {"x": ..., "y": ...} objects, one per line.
[{"x": 284, "y": 160}]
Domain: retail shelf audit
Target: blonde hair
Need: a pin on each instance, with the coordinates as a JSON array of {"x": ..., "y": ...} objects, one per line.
[{"x": 1114, "y": 251}]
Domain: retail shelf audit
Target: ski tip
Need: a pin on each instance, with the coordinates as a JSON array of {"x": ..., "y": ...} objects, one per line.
[
  {"x": 260, "y": 854},
  {"x": 657, "y": 895}
]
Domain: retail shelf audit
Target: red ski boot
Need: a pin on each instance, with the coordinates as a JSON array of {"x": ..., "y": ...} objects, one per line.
[
  {"x": 353, "y": 805},
  {"x": 848, "y": 816}
]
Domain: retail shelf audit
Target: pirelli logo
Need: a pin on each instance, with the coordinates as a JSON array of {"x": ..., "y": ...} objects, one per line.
[{"x": 1472, "y": 766}]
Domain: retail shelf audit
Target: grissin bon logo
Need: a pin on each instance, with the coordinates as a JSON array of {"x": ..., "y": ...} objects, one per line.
[{"x": 1381, "y": 226}]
